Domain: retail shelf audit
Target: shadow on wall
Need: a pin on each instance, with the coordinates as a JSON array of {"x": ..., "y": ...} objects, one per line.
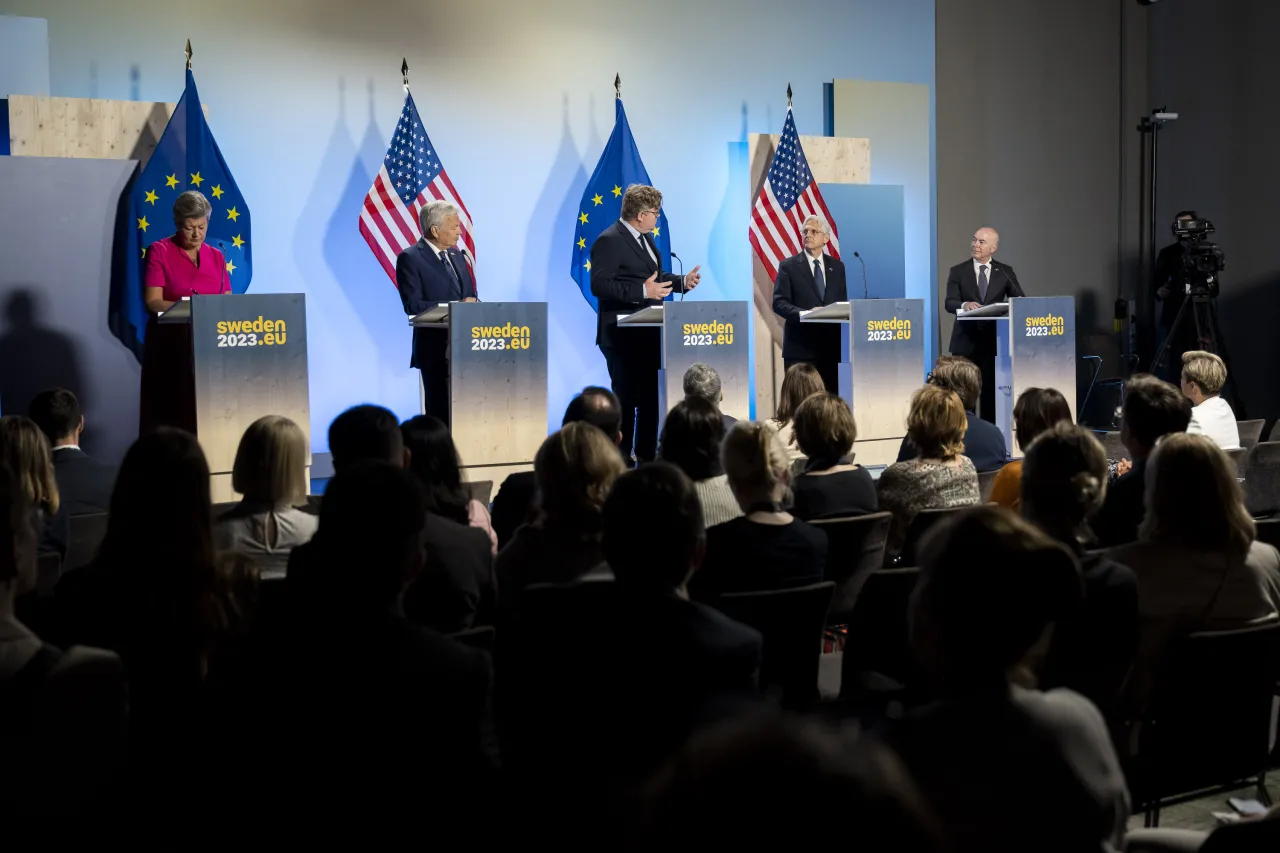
[
  {"x": 34, "y": 357},
  {"x": 1247, "y": 313},
  {"x": 573, "y": 360}
]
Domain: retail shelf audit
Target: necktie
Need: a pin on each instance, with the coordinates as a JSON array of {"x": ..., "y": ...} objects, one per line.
[
  {"x": 819, "y": 280},
  {"x": 644, "y": 247},
  {"x": 444, "y": 259},
  {"x": 982, "y": 283}
]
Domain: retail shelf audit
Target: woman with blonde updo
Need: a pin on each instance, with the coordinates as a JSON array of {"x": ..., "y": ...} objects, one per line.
[
  {"x": 767, "y": 547},
  {"x": 1064, "y": 482}
]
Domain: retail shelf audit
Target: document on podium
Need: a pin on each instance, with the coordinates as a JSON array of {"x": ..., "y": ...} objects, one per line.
[{"x": 986, "y": 312}]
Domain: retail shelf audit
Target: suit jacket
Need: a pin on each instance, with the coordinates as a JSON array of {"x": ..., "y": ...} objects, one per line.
[
  {"x": 84, "y": 483},
  {"x": 458, "y": 589},
  {"x": 794, "y": 291},
  {"x": 513, "y": 505},
  {"x": 962, "y": 287},
  {"x": 619, "y": 268},
  {"x": 423, "y": 282},
  {"x": 983, "y": 444}
]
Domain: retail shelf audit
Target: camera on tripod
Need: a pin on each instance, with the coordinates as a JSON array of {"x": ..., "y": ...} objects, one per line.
[{"x": 1202, "y": 260}]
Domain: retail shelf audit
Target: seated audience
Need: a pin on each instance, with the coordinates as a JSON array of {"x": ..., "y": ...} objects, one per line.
[
  {"x": 940, "y": 476},
  {"x": 1007, "y": 767},
  {"x": 433, "y": 459},
  {"x": 270, "y": 471},
  {"x": 64, "y": 711},
  {"x": 691, "y": 437},
  {"x": 1037, "y": 410},
  {"x": 575, "y": 469},
  {"x": 775, "y": 770},
  {"x": 1203, "y": 375},
  {"x": 350, "y": 708},
  {"x": 25, "y": 450},
  {"x": 1064, "y": 477},
  {"x": 703, "y": 382},
  {"x": 155, "y": 595},
  {"x": 767, "y": 548},
  {"x": 1198, "y": 564},
  {"x": 983, "y": 441},
  {"x": 84, "y": 483},
  {"x": 1152, "y": 408},
  {"x": 800, "y": 383},
  {"x": 458, "y": 589},
  {"x": 832, "y": 485},
  {"x": 516, "y": 500}
]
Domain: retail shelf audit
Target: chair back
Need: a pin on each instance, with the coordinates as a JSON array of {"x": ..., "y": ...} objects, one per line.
[
  {"x": 925, "y": 520},
  {"x": 791, "y": 621},
  {"x": 86, "y": 532},
  {"x": 1269, "y": 531},
  {"x": 1262, "y": 480},
  {"x": 877, "y": 640},
  {"x": 480, "y": 490},
  {"x": 855, "y": 549},
  {"x": 48, "y": 573},
  {"x": 478, "y": 637},
  {"x": 1239, "y": 456},
  {"x": 1274, "y": 434},
  {"x": 986, "y": 480},
  {"x": 1250, "y": 432},
  {"x": 1209, "y": 721}
]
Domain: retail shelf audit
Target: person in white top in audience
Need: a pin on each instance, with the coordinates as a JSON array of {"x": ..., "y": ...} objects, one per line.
[
  {"x": 1203, "y": 375},
  {"x": 801, "y": 382},
  {"x": 270, "y": 470}
]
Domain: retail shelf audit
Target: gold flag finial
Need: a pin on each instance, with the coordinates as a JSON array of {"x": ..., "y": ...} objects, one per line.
[{"x": 188, "y": 52}]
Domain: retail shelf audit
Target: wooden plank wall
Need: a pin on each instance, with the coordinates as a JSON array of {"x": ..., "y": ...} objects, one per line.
[
  {"x": 86, "y": 127},
  {"x": 833, "y": 160}
]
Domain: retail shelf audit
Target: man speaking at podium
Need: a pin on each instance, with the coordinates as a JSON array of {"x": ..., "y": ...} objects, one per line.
[
  {"x": 429, "y": 272},
  {"x": 979, "y": 281},
  {"x": 809, "y": 280},
  {"x": 626, "y": 275}
]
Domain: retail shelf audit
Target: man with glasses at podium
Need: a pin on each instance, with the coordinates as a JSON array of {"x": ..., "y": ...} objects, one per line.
[
  {"x": 979, "y": 281},
  {"x": 431, "y": 271},
  {"x": 626, "y": 275},
  {"x": 808, "y": 280}
]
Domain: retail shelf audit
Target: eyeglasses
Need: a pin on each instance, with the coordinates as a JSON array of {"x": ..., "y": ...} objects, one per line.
[
  {"x": 809, "y": 231},
  {"x": 648, "y": 213}
]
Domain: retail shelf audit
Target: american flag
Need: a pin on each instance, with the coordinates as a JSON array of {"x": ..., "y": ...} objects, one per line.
[
  {"x": 411, "y": 176},
  {"x": 789, "y": 195}
]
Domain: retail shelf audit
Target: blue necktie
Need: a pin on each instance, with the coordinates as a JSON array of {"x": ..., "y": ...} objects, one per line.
[
  {"x": 819, "y": 281},
  {"x": 444, "y": 258},
  {"x": 982, "y": 283}
]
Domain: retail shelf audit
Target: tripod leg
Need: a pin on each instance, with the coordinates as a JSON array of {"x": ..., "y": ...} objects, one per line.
[{"x": 1159, "y": 361}]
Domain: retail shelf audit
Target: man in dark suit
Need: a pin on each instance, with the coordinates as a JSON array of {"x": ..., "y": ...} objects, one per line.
[
  {"x": 626, "y": 275},
  {"x": 84, "y": 483},
  {"x": 1152, "y": 408},
  {"x": 431, "y": 271},
  {"x": 809, "y": 280},
  {"x": 517, "y": 498},
  {"x": 983, "y": 441},
  {"x": 979, "y": 281}
]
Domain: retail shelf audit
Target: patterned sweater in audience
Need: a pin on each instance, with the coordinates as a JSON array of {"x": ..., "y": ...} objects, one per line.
[
  {"x": 905, "y": 488},
  {"x": 717, "y": 500}
]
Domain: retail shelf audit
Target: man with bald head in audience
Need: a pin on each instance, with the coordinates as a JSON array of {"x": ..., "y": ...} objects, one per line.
[{"x": 979, "y": 281}]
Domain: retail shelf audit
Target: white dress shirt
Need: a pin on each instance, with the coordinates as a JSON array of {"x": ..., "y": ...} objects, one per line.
[
  {"x": 635, "y": 235},
  {"x": 1214, "y": 418}
]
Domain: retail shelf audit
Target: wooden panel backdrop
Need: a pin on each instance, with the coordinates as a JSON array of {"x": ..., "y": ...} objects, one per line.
[{"x": 91, "y": 128}]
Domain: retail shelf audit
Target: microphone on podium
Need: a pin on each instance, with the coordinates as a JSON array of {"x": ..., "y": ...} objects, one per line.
[
  {"x": 682, "y": 287},
  {"x": 864, "y": 274}
]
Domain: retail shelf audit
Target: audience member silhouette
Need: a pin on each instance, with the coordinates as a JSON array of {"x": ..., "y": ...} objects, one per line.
[
  {"x": 84, "y": 483},
  {"x": 1064, "y": 477},
  {"x": 433, "y": 459},
  {"x": 1152, "y": 408},
  {"x": 832, "y": 485},
  {"x": 64, "y": 712},
  {"x": 516, "y": 500},
  {"x": 767, "y": 547},
  {"x": 1203, "y": 375},
  {"x": 691, "y": 438},
  {"x": 25, "y": 450},
  {"x": 701, "y": 381},
  {"x": 978, "y": 626},
  {"x": 983, "y": 441},
  {"x": 1036, "y": 411},
  {"x": 270, "y": 471},
  {"x": 800, "y": 382}
]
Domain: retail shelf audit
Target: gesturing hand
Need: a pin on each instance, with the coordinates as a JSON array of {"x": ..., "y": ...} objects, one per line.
[
  {"x": 691, "y": 280},
  {"x": 654, "y": 289}
]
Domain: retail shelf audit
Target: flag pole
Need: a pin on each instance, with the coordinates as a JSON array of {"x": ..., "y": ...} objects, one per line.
[
  {"x": 617, "y": 86},
  {"x": 404, "y": 72},
  {"x": 188, "y": 54},
  {"x": 788, "y": 96}
]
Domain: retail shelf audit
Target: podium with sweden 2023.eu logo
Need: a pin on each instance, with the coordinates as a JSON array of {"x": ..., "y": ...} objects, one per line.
[
  {"x": 248, "y": 359},
  {"x": 712, "y": 333},
  {"x": 497, "y": 382}
]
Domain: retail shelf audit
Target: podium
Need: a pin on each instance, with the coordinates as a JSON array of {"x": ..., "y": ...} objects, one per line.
[
  {"x": 881, "y": 366},
  {"x": 712, "y": 333},
  {"x": 1035, "y": 348},
  {"x": 248, "y": 359},
  {"x": 497, "y": 382}
]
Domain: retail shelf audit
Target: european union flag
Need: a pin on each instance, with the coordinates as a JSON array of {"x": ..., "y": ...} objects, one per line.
[
  {"x": 186, "y": 158},
  {"x": 619, "y": 167}
]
